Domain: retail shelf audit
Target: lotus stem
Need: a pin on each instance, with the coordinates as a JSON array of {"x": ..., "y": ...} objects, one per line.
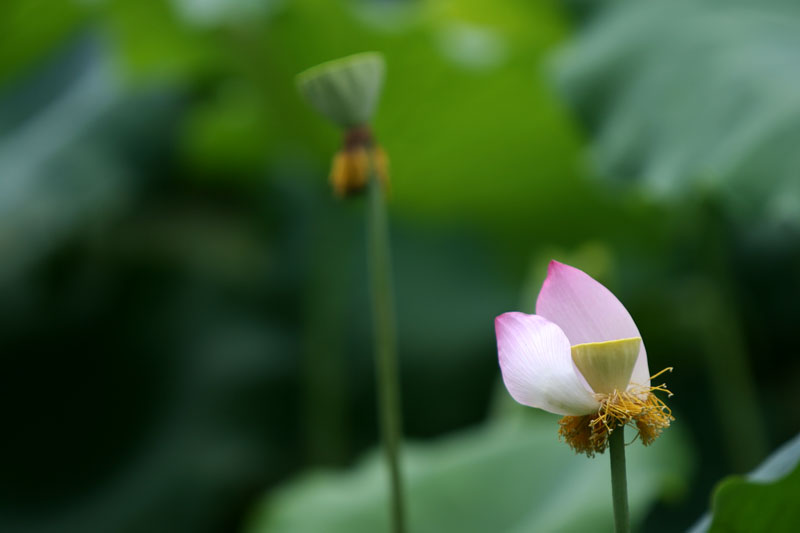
[
  {"x": 619, "y": 482},
  {"x": 387, "y": 381}
]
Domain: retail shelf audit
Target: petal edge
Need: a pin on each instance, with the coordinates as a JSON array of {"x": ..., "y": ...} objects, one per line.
[{"x": 588, "y": 312}]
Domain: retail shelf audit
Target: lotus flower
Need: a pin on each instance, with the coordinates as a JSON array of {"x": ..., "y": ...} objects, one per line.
[{"x": 581, "y": 355}]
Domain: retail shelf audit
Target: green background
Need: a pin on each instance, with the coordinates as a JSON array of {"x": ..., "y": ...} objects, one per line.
[{"x": 184, "y": 322}]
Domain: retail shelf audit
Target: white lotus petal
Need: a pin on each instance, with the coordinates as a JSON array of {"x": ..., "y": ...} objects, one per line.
[{"x": 537, "y": 365}]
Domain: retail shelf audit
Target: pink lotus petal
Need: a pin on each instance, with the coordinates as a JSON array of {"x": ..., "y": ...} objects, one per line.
[
  {"x": 588, "y": 312},
  {"x": 537, "y": 366}
]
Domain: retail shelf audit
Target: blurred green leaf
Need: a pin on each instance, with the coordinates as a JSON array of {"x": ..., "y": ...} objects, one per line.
[
  {"x": 29, "y": 29},
  {"x": 215, "y": 12},
  {"x": 226, "y": 133},
  {"x": 695, "y": 96},
  {"x": 510, "y": 475},
  {"x": 152, "y": 42},
  {"x": 470, "y": 125},
  {"x": 67, "y": 139},
  {"x": 764, "y": 500}
]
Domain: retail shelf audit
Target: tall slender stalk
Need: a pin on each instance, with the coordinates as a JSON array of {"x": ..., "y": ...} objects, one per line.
[
  {"x": 380, "y": 267},
  {"x": 619, "y": 481}
]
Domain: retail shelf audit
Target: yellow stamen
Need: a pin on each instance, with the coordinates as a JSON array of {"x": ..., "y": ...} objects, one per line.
[
  {"x": 350, "y": 169},
  {"x": 639, "y": 407},
  {"x": 654, "y": 376}
]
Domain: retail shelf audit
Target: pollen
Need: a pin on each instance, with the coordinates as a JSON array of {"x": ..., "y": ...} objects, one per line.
[{"x": 638, "y": 407}]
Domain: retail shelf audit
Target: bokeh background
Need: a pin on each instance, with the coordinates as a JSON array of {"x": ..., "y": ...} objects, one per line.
[{"x": 184, "y": 322}]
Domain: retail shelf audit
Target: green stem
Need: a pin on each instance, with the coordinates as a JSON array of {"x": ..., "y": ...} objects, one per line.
[
  {"x": 379, "y": 256},
  {"x": 619, "y": 482}
]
